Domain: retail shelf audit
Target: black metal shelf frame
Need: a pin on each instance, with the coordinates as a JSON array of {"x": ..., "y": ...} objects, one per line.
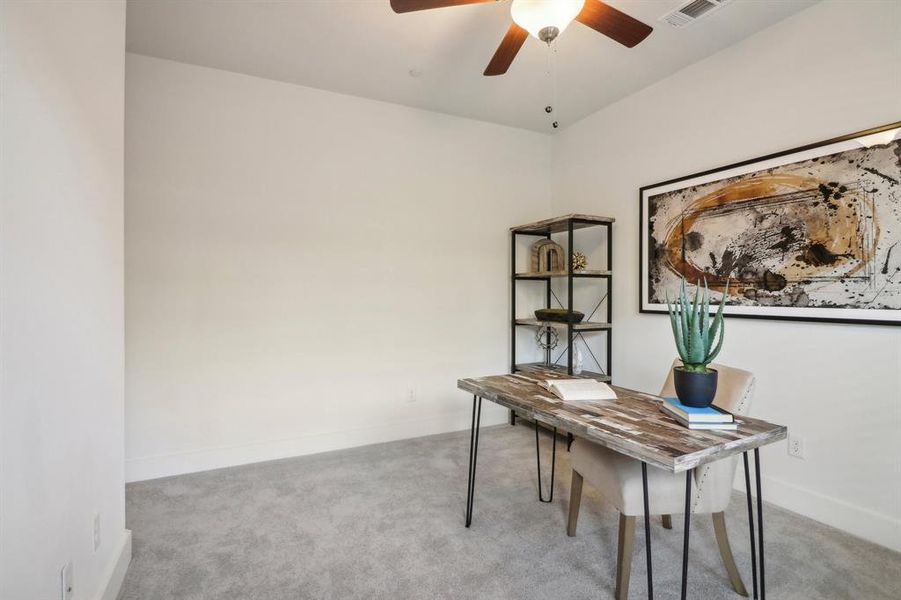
[{"x": 570, "y": 225}]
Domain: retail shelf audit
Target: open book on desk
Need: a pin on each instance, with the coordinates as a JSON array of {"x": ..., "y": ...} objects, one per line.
[{"x": 574, "y": 390}]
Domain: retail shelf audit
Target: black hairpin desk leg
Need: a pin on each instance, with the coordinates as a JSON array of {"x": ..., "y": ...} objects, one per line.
[
  {"x": 647, "y": 531},
  {"x": 757, "y": 554},
  {"x": 751, "y": 524},
  {"x": 760, "y": 523},
  {"x": 685, "y": 535},
  {"x": 550, "y": 497},
  {"x": 473, "y": 454}
]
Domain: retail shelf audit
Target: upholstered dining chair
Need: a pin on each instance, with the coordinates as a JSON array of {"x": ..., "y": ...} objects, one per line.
[{"x": 618, "y": 479}]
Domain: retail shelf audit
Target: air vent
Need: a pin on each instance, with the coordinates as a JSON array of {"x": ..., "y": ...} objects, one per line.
[{"x": 691, "y": 11}]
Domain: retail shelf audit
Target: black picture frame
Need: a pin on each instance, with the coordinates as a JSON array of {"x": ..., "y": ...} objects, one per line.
[{"x": 643, "y": 227}]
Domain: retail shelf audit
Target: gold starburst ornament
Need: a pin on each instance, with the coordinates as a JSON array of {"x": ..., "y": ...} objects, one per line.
[{"x": 579, "y": 261}]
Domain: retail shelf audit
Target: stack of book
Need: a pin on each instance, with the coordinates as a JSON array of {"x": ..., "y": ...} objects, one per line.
[{"x": 709, "y": 417}]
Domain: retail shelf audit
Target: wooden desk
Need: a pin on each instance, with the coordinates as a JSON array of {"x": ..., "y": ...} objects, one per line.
[{"x": 632, "y": 425}]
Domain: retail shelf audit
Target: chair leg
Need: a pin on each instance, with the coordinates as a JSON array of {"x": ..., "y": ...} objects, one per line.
[
  {"x": 575, "y": 500},
  {"x": 624, "y": 556},
  {"x": 722, "y": 540},
  {"x": 667, "y": 521}
]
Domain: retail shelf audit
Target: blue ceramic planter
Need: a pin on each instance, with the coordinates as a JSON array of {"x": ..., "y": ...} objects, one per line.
[{"x": 695, "y": 389}]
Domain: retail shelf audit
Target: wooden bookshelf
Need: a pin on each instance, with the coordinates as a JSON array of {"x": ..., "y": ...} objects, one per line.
[{"x": 603, "y": 278}]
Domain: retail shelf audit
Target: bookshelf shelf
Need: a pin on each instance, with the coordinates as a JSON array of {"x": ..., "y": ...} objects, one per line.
[
  {"x": 543, "y": 370},
  {"x": 582, "y": 326},
  {"x": 586, "y": 273},
  {"x": 562, "y": 224}
]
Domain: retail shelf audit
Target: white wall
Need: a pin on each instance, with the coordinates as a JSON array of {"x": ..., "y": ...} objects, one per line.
[
  {"x": 297, "y": 261},
  {"x": 830, "y": 70},
  {"x": 61, "y": 302}
]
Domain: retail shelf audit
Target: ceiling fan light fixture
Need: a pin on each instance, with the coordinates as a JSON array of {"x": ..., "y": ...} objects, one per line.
[{"x": 545, "y": 19}]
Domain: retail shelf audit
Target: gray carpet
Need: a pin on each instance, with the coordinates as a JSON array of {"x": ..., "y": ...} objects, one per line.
[{"x": 386, "y": 521}]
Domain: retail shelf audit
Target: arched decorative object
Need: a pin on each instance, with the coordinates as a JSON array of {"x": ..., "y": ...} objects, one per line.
[{"x": 547, "y": 257}]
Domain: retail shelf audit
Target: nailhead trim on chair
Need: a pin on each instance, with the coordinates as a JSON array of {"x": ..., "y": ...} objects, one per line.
[
  {"x": 747, "y": 394},
  {"x": 700, "y": 487},
  {"x": 741, "y": 404}
]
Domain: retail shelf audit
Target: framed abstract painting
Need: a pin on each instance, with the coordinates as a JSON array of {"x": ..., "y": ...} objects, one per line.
[{"x": 812, "y": 233}]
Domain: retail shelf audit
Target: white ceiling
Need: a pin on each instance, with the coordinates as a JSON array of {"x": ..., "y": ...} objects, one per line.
[{"x": 361, "y": 47}]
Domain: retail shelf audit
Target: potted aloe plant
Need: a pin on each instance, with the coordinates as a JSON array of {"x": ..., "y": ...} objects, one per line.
[{"x": 695, "y": 333}]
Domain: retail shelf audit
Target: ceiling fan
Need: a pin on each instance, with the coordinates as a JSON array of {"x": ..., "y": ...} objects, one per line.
[{"x": 545, "y": 19}]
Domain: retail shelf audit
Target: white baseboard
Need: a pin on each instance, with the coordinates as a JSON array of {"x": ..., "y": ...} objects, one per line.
[
  {"x": 118, "y": 569},
  {"x": 205, "y": 459},
  {"x": 878, "y": 528}
]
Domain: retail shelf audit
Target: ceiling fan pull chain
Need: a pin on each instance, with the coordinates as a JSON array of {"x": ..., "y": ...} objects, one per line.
[
  {"x": 549, "y": 87},
  {"x": 553, "y": 60}
]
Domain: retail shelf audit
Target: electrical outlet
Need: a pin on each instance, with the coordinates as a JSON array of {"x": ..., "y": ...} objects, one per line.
[
  {"x": 796, "y": 446},
  {"x": 96, "y": 531},
  {"x": 67, "y": 588},
  {"x": 411, "y": 394}
]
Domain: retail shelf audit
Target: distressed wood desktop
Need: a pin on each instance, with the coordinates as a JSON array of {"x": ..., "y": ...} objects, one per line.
[{"x": 632, "y": 425}]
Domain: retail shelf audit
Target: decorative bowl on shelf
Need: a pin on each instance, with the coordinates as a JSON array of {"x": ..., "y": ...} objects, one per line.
[{"x": 559, "y": 315}]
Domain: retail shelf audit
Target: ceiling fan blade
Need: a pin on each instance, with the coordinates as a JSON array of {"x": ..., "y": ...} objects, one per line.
[
  {"x": 402, "y": 6},
  {"x": 613, "y": 23},
  {"x": 506, "y": 52}
]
